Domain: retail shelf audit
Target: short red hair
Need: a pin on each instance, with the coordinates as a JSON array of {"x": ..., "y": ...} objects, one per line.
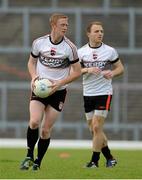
[{"x": 55, "y": 17}]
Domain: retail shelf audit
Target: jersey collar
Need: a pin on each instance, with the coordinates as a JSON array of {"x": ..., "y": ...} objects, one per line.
[
  {"x": 57, "y": 42},
  {"x": 95, "y": 47}
]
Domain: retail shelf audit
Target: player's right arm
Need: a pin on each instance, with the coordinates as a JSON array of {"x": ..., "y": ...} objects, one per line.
[
  {"x": 91, "y": 70},
  {"x": 32, "y": 63}
]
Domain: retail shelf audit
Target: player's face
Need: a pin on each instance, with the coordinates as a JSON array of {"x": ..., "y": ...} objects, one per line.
[
  {"x": 96, "y": 34},
  {"x": 61, "y": 26}
]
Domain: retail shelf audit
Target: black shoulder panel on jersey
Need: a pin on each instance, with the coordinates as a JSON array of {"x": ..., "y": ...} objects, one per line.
[
  {"x": 34, "y": 56},
  {"x": 72, "y": 62},
  {"x": 115, "y": 61}
]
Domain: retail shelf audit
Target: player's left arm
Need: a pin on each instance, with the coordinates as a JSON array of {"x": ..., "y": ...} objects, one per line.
[
  {"x": 117, "y": 69},
  {"x": 75, "y": 72},
  {"x": 75, "y": 67}
]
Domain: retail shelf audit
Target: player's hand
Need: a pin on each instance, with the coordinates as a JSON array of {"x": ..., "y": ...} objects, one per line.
[
  {"x": 55, "y": 86},
  {"x": 94, "y": 70},
  {"x": 107, "y": 74}
]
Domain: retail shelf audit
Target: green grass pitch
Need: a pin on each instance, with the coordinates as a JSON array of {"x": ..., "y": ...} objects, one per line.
[{"x": 69, "y": 164}]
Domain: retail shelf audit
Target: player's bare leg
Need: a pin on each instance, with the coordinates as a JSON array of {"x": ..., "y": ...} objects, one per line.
[
  {"x": 50, "y": 117},
  {"x": 99, "y": 143},
  {"x": 36, "y": 115}
]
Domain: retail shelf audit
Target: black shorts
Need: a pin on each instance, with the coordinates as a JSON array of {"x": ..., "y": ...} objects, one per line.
[
  {"x": 56, "y": 100},
  {"x": 97, "y": 103}
]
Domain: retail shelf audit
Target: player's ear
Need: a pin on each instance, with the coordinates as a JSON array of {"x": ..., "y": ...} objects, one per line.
[
  {"x": 52, "y": 25},
  {"x": 88, "y": 34}
]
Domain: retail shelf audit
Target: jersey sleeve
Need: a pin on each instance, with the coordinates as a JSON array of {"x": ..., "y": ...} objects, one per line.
[
  {"x": 73, "y": 55},
  {"x": 72, "y": 50},
  {"x": 114, "y": 56},
  {"x": 79, "y": 55},
  {"x": 35, "y": 49}
]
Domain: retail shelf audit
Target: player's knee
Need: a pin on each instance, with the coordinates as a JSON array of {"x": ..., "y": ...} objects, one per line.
[
  {"x": 34, "y": 124},
  {"x": 95, "y": 128},
  {"x": 97, "y": 125},
  {"x": 45, "y": 133}
]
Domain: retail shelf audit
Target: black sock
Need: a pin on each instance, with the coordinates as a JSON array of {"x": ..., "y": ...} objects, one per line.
[
  {"x": 32, "y": 137},
  {"x": 42, "y": 148},
  {"x": 95, "y": 157},
  {"x": 106, "y": 152}
]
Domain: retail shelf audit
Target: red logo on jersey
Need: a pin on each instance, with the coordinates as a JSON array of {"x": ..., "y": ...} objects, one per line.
[
  {"x": 95, "y": 56},
  {"x": 52, "y": 52}
]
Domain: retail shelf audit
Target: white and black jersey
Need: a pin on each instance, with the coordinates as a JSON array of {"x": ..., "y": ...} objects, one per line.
[
  {"x": 54, "y": 60},
  {"x": 103, "y": 57}
]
